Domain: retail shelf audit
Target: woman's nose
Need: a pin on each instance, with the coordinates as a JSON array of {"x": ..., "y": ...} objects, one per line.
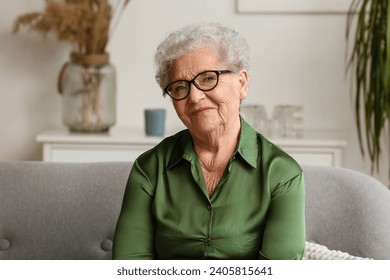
[{"x": 195, "y": 94}]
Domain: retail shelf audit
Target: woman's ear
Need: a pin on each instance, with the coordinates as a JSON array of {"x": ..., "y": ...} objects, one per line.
[{"x": 244, "y": 83}]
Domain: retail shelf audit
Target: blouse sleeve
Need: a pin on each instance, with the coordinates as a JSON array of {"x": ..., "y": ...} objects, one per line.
[
  {"x": 284, "y": 232},
  {"x": 135, "y": 227}
]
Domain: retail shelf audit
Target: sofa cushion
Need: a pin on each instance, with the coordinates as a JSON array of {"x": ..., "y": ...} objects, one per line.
[
  {"x": 59, "y": 210},
  {"x": 348, "y": 211}
]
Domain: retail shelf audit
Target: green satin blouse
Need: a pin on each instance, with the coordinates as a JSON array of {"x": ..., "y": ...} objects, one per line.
[{"x": 255, "y": 212}]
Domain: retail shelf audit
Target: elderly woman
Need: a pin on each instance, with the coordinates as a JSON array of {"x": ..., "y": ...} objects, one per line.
[{"x": 219, "y": 189}]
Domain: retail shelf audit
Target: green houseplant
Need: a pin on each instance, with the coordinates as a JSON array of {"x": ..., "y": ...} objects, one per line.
[{"x": 369, "y": 61}]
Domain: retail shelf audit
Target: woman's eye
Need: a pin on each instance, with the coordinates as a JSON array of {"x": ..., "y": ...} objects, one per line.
[
  {"x": 207, "y": 79},
  {"x": 179, "y": 89}
]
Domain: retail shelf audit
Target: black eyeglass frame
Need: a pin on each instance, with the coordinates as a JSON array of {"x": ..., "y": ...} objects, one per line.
[{"x": 217, "y": 72}]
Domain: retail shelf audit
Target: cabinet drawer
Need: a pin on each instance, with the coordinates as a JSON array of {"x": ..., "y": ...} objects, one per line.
[{"x": 92, "y": 153}]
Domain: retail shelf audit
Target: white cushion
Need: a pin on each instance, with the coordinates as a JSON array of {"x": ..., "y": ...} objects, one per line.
[{"x": 314, "y": 251}]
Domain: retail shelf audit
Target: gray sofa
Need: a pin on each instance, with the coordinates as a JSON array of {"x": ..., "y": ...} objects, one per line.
[{"x": 69, "y": 210}]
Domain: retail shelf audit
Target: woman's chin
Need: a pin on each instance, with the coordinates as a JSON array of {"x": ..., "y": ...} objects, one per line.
[{"x": 205, "y": 127}]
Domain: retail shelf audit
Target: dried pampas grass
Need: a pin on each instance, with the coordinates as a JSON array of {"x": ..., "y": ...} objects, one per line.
[{"x": 86, "y": 24}]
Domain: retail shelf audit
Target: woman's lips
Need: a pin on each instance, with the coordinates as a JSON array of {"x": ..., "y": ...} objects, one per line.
[{"x": 200, "y": 110}]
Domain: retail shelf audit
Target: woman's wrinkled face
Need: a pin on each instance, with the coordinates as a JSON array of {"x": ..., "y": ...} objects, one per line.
[{"x": 203, "y": 112}]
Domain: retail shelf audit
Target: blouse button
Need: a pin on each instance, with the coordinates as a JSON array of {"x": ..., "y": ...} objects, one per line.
[{"x": 209, "y": 207}]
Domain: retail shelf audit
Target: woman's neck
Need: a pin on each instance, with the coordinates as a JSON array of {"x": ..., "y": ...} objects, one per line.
[{"x": 216, "y": 147}]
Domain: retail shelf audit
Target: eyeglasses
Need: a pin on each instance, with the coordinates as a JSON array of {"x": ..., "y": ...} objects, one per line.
[{"x": 205, "y": 81}]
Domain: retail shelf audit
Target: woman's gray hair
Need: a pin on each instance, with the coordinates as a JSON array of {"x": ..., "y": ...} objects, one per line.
[{"x": 232, "y": 49}]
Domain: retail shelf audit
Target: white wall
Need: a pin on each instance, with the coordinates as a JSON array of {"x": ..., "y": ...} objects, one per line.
[{"x": 298, "y": 59}]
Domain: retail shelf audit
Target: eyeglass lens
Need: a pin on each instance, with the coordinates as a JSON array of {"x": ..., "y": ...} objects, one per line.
[{"x": 203, "y": 81}]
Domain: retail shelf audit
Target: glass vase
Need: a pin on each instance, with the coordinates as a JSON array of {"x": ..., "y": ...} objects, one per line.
[{"x": 88, "y": 87}]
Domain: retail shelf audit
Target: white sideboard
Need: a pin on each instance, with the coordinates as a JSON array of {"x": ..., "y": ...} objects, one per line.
[{"x": 126, "y": 144}]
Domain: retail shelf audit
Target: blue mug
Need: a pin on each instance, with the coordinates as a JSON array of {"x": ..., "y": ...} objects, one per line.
[{"x": 154, "y": 122}]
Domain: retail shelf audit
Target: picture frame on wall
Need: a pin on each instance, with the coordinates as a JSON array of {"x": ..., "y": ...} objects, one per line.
[{"x": 293, "y": 6}]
